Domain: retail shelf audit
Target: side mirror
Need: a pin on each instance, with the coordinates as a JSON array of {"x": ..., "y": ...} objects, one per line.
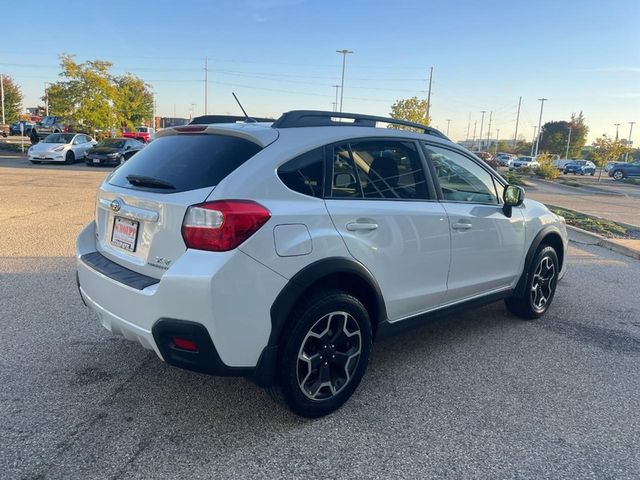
[{"x": 513, "y": 197}]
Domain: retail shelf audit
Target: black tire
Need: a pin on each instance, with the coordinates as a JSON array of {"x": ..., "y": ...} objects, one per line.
[
  {"x": 69, "y": 158},
  {"x": 89, "y": 164},
  {"x": 34, "y": 137},
  {"x": 540, "y": 288},
  {"x": 334, "y": 328},
  {"x": 592, "y": 173},
  {"x": 617, "y": 174},
  {"x": 35, "y": 162}
]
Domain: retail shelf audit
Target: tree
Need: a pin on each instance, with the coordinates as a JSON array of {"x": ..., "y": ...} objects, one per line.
[
  {"x": 410, "y": 109},
  {"x": 12, "y": 99},
  {"x": 134, "y": 103},
  {"x": 607, "y": 150},
  {"x": 90, "y": 96},
  {"x": 555, "y": 135}
]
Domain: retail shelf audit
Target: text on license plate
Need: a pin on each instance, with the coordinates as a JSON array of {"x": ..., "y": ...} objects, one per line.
[{"x": 125, "y": 234}]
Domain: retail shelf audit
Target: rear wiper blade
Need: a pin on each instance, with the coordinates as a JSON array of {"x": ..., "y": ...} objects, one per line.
[{"x": 143, "y": 181}]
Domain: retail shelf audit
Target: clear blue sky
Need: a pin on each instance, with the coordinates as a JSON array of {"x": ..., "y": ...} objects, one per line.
[{"x": 279, "y": 55}]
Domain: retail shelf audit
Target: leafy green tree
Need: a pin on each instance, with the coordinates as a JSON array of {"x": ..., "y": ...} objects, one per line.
[
  {"x": 134, "y": 102},
  {"x": 411, "y": 109},
  {"x": 90, "y": 96},
  {"x": 607, "y": 150},
  {"x": 12, "y": 99},
  {"x": 556, "y": 134}
]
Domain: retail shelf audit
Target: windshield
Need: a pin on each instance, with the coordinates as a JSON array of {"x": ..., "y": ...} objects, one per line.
[
  {"x": 48, "y": 120},
  {"x": 142, "y": 129},
  {"x": 59, "y": 138},
  {"x": 111, "y": 142},
  {"x": 524, "y": 159}
]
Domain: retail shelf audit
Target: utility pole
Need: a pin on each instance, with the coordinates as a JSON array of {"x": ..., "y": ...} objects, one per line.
[
  {"x": 489, "y": 130},
  {"x": 2, "y": 95},
  {"x": 533, "y": 140},
  {"x": 631, "y": 124},
  {"x": 429, "y": 94},
  {"x": 193, "y": 110},
  {"x": 448, "y": 123},
  {"x": 468, "y": 127},
  {"x": 541, "y": 100},
  {"x": 206, "y": 85},
  {"x": 515, "y": 135},
  {"x": 566, "y": 155},
  {"x": 617, "y": 125},
  {"x": 481, "y": 125},
  {"x": 335, "y": 105},
  {"x": 344, "y": 53},
  {"x": 497, "y": 140},
  {"x": 473, "y": 142}
]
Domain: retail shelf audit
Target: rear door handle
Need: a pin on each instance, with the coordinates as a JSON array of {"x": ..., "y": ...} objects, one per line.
[
  {"x": 356, "y": 226},
  {"x": 462, "y": 225}
]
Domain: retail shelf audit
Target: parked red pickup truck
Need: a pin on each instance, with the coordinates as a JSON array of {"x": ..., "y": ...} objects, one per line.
[{"x": 142, "y": 134}]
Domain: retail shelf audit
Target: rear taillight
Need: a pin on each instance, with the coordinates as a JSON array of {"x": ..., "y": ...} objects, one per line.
[{"x": 222, "y": 225}]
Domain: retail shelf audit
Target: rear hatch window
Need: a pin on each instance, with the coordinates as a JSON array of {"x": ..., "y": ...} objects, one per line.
[{"x": 179, "y": 163}]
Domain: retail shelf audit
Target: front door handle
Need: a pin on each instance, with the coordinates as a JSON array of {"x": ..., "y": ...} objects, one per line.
[
  {"x": 357, "y": 226},
  {"x": 462, "y": 225}
]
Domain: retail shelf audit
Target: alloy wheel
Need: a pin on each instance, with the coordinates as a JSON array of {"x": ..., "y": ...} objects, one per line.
[
  {"x": 543, "y": 284},
  {"x": 329, "y": 355},
  {"x": 618, "y": 175}
]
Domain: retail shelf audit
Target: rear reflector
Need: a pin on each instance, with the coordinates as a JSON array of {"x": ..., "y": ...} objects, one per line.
[
  {"x": 185, "y": 344},
  {"x": 191, "y": 128},
  {"x": 222, "y": 225}
]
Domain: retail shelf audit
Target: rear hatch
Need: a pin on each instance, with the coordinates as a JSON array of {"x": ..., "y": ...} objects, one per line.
[{"x": 141, "y": 205}]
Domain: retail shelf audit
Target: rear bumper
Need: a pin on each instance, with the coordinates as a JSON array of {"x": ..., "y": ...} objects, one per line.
[{"x": 202, "y": 292}]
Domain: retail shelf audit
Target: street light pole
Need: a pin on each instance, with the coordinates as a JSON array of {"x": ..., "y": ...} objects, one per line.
[
  {"x": 489, "y": 130},
  {"x": 448, "y": 123},
  {"x": 473, "y": 142},
  {"x": 206, "y": 85},
  {"x": 566, "y": 155},
  {"x": 2, "y": 95},
  {"x": 541, "y": 100},
  {"x": 335, "y": 105},
  {"x": 631, "y": 124},
  {"x": 481, "y": 125},
  {"x": 617, "y": 125},
  {"x": 533, "y": 140},
  {"x": 429, "y": 96},
  {"x": 344, "y": 53},
  {"x": 497, "y": 140}
]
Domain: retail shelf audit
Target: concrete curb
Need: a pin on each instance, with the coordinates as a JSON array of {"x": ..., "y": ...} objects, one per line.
[{"x": 578, "y": 235}]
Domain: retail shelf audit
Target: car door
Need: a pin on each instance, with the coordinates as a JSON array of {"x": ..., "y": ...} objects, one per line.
[
  {"x": 633, "y": 169},
  {"x": 487, "y": 247},
  {"x": 383, "y": 205}
]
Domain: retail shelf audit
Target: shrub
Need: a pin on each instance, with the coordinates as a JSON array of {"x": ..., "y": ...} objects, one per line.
[
  {"x": 514, "y": 179},
  {"x": 546, "y": 168}
]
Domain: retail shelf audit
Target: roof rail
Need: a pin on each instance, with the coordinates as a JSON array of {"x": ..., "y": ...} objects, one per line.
[
  {"x": 208, "y": 119},
  {"x": 318, "y": 118}
]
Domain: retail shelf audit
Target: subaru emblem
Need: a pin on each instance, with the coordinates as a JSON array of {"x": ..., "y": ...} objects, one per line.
[{"x": 115, "y": 205}]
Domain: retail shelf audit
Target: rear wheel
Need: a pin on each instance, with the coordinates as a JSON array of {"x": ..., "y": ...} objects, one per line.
[
  {"x": 69, "y": 158},
  {"x": 541, "y": 286},
  {"x": 618, "y": 175},
  {"x": 325, "y": 354}
]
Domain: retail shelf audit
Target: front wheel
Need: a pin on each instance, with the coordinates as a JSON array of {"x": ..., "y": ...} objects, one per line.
[
  {"x": 34, "y": 137},
  {"x": 325, "y": 353},
  {"x": 540, "y": 288},
  {"x": 69, "y": 158}
]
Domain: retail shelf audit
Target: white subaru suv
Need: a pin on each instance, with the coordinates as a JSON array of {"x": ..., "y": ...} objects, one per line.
[{"x": 281, "y": 251}]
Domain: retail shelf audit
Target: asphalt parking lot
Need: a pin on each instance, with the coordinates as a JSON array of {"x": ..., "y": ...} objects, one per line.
[{"x": 478, "y": 395}]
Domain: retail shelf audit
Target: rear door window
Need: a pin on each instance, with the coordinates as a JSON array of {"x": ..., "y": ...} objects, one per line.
[{"x": 186, "y": 162}]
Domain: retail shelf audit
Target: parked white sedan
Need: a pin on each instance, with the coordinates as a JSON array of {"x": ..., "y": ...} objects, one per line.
[{"x": 61, "y": 147}]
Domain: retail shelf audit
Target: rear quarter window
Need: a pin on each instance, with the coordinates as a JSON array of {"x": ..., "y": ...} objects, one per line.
[
  {"x": 305, "y": 174},
  {"x": 188, "y": 162}
]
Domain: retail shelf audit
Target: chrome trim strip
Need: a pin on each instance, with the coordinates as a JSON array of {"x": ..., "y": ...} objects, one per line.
[{"x": 131, "y": 212}]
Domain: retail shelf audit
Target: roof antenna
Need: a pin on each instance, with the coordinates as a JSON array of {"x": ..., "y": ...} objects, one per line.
[{"x": 247, "y": 118}]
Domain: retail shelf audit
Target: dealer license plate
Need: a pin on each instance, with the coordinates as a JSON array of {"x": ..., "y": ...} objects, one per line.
[{"x": 125, "y": 234}]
